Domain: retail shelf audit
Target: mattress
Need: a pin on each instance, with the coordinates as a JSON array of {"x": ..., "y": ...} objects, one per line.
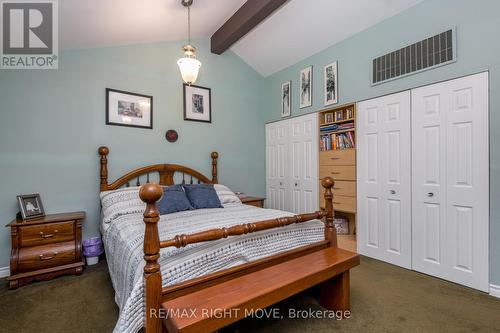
[{"x": 123, "y": 234}]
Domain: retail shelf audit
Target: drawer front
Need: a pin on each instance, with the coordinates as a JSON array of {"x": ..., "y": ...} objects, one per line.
[
  {"x": 342, "y": 203},
  {"x": 341, "y": 187},
  {"x": 46, "y": 233},
  {"x": 338, "y": 157},
  {"x": 338, "y": 172},
  {"x": 256, "y": 203},
  {"x": 45, "y": 256}
]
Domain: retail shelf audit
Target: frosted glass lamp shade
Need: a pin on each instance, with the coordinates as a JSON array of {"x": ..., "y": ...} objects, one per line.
[{"x": 189, "y": 68}]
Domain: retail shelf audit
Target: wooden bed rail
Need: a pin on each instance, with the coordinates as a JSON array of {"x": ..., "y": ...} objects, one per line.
[
  {"x": 248, "y": 228},
  {"x": 150, "y": 193}
]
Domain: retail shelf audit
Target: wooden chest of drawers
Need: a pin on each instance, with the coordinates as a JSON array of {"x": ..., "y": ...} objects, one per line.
[
  {"x": 341, "y": 166},
  {"x": 253, "y": 201},
  {"x": 45, "y": 248}
]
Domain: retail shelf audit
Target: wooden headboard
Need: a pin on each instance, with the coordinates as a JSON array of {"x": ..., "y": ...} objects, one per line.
[{"x": 166, "y": 173}]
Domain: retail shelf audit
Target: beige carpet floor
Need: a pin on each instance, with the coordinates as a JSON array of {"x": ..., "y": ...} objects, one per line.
[{"x": 384, "y": 298}]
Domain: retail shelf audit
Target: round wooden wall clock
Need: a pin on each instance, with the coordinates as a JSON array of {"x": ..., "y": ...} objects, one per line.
[{"x": 171, "y": 135}]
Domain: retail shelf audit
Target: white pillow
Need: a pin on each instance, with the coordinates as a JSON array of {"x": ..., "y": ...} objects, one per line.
[
  {"x": 121, "y": 202},
  {"x": 226, "y": 196}
]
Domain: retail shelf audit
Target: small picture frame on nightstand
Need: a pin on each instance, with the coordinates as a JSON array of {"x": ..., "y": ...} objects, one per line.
[{"x": 30, "y": 206}]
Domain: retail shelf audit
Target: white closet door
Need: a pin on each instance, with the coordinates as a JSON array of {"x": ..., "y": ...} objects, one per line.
[
  {"x": 277, "y": 178},
  {"x": 304, "y": 164},
  {"x": 384, "y": 180},
  {"x": 451, "y": 180}
]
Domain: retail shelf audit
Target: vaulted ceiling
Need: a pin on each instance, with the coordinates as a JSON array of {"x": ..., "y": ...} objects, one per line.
[{"x": 299, "y": 29}]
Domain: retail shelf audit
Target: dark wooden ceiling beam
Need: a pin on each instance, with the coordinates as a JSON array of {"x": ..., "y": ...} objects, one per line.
[{"x": 245, "y": 19}]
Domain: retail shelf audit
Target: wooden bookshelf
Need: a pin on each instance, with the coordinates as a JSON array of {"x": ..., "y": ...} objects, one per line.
[{"x": 337, "y": 159}]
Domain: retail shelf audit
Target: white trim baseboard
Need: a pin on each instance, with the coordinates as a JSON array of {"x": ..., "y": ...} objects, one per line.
[
  {"x": 5, "y": 271},
  {"x": 495, "y": 290}
]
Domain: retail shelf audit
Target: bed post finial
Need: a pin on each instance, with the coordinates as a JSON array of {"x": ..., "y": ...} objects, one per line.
[
  {"x": 104, "y": 151},
  {"x": 215, "y": 156},
  {"x": 150, "y": 194},
  {"x": 330, "y": 232}
]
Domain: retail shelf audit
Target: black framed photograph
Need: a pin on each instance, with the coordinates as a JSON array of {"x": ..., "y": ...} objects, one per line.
[
  {"x": 125, "y": 108},
  {"x": 30, "y": 206},
  {"x": 331, "y": 84},
  {"x": 306, "y": 87},
  {"x": 197, "y": 103},
  {"x": 286, "y": 99}
]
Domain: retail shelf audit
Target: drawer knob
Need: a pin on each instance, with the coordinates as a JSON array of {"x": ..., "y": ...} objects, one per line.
[
  {"x": 43, "y": 235},
  {"x": 43, "y": 257},
  {"x": 393, "y": 192},
  {"x": 430, "y": 194}
]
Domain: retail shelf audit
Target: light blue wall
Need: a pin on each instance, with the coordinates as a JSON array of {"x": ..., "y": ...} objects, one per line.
[
  {"x": 51, "y": 123},
  {"x": 478, "y": 49}
]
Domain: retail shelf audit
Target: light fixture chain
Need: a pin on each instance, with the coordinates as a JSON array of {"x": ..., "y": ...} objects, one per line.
[{"x": 189, "y": 25}]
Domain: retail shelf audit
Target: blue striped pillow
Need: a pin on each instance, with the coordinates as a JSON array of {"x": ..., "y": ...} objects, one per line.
[
  {"x": 202, "y": 196},
  {"x": 174, "y": 200}
]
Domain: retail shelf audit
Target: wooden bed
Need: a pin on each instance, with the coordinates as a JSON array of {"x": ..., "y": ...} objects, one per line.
[{"x": 250, "y": 286}]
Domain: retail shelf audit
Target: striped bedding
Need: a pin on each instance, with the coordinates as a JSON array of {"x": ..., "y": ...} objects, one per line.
[{"x": 122, "y": 228}]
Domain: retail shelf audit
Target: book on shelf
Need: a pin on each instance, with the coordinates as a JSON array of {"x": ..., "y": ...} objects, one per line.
[
  {"x": 336, "y": 127},
  {"x": 336, "y": 141}
]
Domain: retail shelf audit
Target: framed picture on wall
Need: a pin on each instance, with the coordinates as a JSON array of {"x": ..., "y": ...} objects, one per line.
[
  {"x": 305, "y": 92},
  {"x": 125, "y": 108},
  {"x": 286, "y": 99},
  {"x": 331, "y": 84},
  {"x": 197, "y": 103},
  {"x": 30, "y": 206}
]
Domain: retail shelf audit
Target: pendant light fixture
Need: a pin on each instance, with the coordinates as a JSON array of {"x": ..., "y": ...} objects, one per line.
[{"x": 189, "y": 65}]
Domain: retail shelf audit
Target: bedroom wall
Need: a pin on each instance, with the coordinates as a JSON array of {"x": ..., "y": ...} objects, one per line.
[
  {"x": 53, "y": 121},
  {"x": 477, "y": 27}
]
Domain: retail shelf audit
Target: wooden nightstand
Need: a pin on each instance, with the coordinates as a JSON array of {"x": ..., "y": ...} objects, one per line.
[
  {"x": 45, "y": 248},
  {"x": 254, "y": 201}
]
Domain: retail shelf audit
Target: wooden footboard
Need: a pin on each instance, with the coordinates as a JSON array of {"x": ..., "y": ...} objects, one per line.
[{"x": 154, "y": 294}]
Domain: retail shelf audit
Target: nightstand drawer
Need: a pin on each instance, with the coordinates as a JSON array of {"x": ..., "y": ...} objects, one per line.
[
  {"x": 256, "y": 203},
  {"x": 45, "y": 256},
  {"x": 47, "y": 233}
]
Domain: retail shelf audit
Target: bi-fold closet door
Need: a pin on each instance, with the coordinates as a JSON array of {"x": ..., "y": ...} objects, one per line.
[
  {"x": 437, "y": 221},
  {"x": 292, "y": 164},
  {"x": 384, "y": 183},
  {"x": 450, "y": 151}
]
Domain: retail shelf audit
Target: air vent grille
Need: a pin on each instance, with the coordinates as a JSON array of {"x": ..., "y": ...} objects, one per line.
[{"x": 435, "y": 51}]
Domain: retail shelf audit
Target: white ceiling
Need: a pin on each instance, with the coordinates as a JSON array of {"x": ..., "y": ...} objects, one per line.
[
  {"x": 302, "y": 28},
  {"x": 101, "y": 23},
  {"x": 299, "y": 29}
]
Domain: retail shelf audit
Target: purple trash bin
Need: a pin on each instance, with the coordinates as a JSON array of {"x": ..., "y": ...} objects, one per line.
[{"x": 92, "y": 249}]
